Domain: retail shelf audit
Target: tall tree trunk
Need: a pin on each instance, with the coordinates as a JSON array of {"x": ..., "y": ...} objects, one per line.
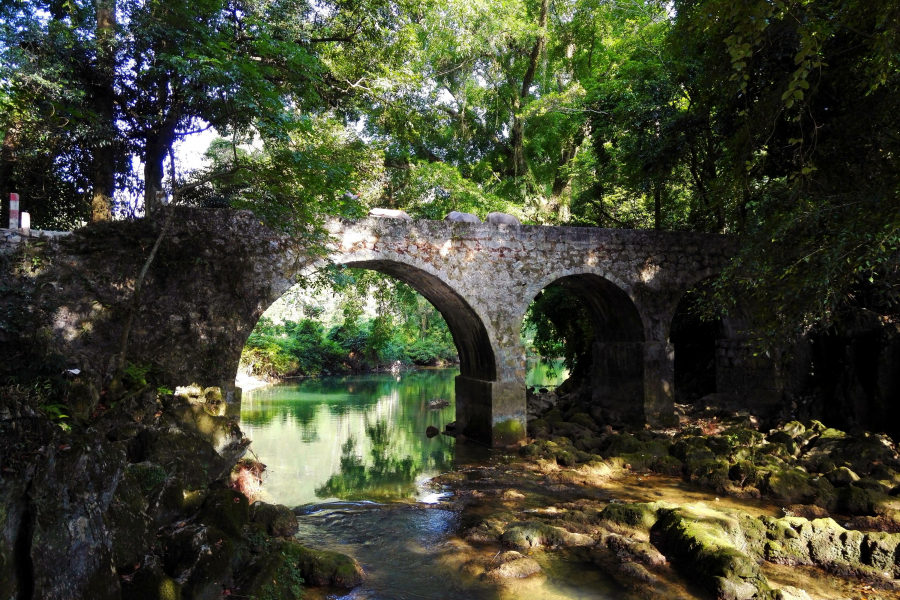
[
  {"x": 517, "y": 133},
  {"x": 103, "y": 175},
  {"x": 156, "y": 150}
]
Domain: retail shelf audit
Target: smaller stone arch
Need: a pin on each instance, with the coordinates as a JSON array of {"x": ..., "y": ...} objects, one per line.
[
  {"x": 742, "y": 378},
  {"x": 630, "y": 376}
]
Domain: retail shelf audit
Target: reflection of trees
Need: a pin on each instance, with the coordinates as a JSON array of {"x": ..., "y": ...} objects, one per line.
[{"x": 392, "y": 472}]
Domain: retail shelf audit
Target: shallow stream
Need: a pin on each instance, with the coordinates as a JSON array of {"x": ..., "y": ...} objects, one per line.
[{"x": 353, "y": 454}]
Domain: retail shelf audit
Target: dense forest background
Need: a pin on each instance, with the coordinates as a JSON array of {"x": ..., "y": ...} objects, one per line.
[{"x": 776, "y": 120}]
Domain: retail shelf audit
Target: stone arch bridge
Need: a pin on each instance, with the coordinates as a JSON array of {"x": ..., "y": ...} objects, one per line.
[{"x": 217, "y": 271}]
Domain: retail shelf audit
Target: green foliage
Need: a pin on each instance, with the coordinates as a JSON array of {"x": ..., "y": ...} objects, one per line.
[
  {"x": 136, "y": 375},
  {"x": 773, "y": 120},
  {"x": 405, "y": 328},
  {"x": 559, "y": 326}
]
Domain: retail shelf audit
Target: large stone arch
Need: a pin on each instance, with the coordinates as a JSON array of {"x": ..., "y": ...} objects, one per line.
[
  {"x": 470, "y": 335},
  {"x": 218, "y": 270},
  {"x": 482, "y": 402}
]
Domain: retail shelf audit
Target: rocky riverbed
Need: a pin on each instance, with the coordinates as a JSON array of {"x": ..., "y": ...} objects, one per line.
[{"x": 717, "y": 507}]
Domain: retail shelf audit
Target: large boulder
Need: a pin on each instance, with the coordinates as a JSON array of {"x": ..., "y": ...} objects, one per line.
[
  {"x": 277, "y": 519},
  {"x": 389, "y": 213},
  {"x": 500, "y": 218},
  {"x": 461, "y": 217}
]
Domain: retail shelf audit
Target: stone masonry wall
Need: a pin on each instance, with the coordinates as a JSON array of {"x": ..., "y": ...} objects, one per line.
[{"x": 218, "y": 270}]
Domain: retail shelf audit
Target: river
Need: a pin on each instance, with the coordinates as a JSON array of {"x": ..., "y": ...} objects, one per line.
[
  {"x": 351, "y": 456},
  {"x": 352, "y": 451}
]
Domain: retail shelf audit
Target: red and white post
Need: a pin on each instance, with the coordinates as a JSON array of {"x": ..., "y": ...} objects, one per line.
[{"x": 13, "y": 211}]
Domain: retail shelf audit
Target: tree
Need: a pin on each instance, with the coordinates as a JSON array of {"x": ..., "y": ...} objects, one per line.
[{"x": 812, "y": 156}]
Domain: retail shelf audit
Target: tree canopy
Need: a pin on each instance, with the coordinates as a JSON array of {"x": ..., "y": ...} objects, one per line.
[{"x": 775, "y": 120}]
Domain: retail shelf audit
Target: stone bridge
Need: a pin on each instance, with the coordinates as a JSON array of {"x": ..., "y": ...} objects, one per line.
[
  {"x": 218, "y": 271},
  {"x": 483, "y": 277}
]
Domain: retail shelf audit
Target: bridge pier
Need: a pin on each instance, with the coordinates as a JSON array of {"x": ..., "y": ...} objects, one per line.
[
  {"x": 490, "y": 412},
  {"x": 634, "y": 381}
]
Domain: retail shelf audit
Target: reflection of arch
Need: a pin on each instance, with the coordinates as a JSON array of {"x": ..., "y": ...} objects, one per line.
[{"x": 476, "y": 356}]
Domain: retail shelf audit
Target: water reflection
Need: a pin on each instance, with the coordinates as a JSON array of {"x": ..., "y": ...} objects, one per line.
[
  {"x": 350, "y": 438},
  {"x": 540, "y": 374}
]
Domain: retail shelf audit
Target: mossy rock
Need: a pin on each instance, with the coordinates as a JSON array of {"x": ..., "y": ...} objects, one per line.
[
  {"x": 720, "y": 445},
  {"x": 702, "y": 543},
  {"x": 657, "y": 447},
  {"x": 534, "y": 534},
  {"x": 278, "y": 520},
  {"x": 639, "y": 461},
  {"x": 583, "y": 457},
  {"x": 591, "y": 444},
  {"x": 565, "y": 458},
  {"x": 530, "y": 450},
  {"x": 777, "y": 449},
  {"x": 634, "y": 516},
  {"x": 667, "y": 465},
  {"x": 791, "y": 485},
  {"x": 880, "y": 550},
  {"x": 841, "y": 477},
  {"x": 859, "y": 453},
  {"x": 322, "y": 567},
  {"x": 795, "y": 429},
  {"x": 225, "y": 509},
  {"x": 486, "y": 532},
  {"x": 743, "y": 436},
  {"x": 710, "y": 473},
  {"x": 538, "y": 427},
  {"x": 884, "y": 473},
  {"x": 744, "y": 473},
  {"x": 691, "y": 448},
  {"x": 831, "y": 434},
  {"x": 554, "y": 417},
  {"x": 274, "y": 576},
  {"x": 584, "y": 420},
  {"x": 816, "y": 427},
  {"x": 867, "y": 483},
  {"x": 782, "y": 437},
  {"x": 149, "y": 582},
  {"x": 623, "y": 443},
  {"x": 853, "y": 500}
]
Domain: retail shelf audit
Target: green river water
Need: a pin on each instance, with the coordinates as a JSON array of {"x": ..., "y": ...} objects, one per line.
[{"x": 352, "y": 452}]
